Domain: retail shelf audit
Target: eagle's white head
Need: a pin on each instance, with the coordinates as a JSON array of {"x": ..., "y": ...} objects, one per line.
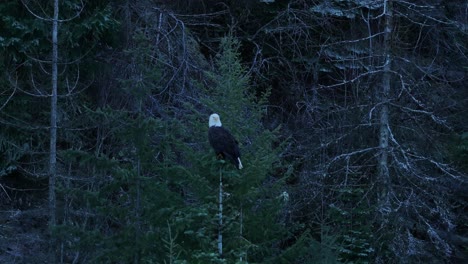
[{"x": 214, "y": 120}]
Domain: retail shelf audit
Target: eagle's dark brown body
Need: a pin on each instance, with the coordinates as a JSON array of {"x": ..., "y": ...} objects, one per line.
[{"x": 224, "y": 144}]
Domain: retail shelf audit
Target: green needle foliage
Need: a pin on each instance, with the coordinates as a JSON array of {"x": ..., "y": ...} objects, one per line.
[{"x": 252, "y": 198}]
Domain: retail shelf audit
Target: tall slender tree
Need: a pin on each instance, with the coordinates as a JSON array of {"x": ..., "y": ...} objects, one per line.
[
  {"x": 383, "y": 170},
  {"x": 38, "y": 117},
  {"x": 53, "y": 132}
]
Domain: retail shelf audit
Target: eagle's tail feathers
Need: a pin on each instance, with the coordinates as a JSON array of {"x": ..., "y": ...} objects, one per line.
[{"x": 240, "y": 163}]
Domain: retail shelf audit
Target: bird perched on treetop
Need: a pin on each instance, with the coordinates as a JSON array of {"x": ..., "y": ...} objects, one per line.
[{"x": 223, "y": 142}]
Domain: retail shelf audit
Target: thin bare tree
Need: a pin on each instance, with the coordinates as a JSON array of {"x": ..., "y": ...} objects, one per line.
[
  {"x": 52, "y": 164},
  {"x": 384, "y": 175},
  {"x": 53, "y": 132}
]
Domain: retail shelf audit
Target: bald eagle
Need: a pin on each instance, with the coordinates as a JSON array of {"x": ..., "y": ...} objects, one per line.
[{"x": 222, "y": 141}]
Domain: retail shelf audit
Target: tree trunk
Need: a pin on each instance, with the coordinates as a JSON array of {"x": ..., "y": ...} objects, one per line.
[
  {"x": 53, "y": 133},
  {"x": 383, "y": 172},
  {"x": 136, "y": 258},
  {"x": 220, "y": 215}
]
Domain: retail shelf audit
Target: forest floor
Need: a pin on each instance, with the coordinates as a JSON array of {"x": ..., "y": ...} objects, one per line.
[{"x": 23, "y": 223}]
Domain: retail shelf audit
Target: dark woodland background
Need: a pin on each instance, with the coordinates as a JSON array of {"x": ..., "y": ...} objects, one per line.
[{"x": 350, "y": 115}]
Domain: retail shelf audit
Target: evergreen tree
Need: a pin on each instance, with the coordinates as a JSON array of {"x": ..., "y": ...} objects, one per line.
[{"x": 252, "y": 197}]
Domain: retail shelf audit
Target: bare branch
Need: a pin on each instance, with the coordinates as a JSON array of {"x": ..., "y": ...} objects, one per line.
[
  {"x": 50, "y": 19},
  {"x": 11, "y": 95}
]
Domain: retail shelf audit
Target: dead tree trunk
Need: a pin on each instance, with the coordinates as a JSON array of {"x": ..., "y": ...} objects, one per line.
[
  {"x": 220, "y": 214},
  {"x": 383, "y": 171},
  {"x": 53, "y": 131}
]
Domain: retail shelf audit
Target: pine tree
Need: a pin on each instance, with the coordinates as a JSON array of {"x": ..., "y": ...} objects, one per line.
[
  {"x": 125, "y": 194},
  {"x": 252, "y": 198}
]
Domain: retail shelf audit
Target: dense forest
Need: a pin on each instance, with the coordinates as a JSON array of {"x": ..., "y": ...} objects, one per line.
[{"x": 350, "y": 117}]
